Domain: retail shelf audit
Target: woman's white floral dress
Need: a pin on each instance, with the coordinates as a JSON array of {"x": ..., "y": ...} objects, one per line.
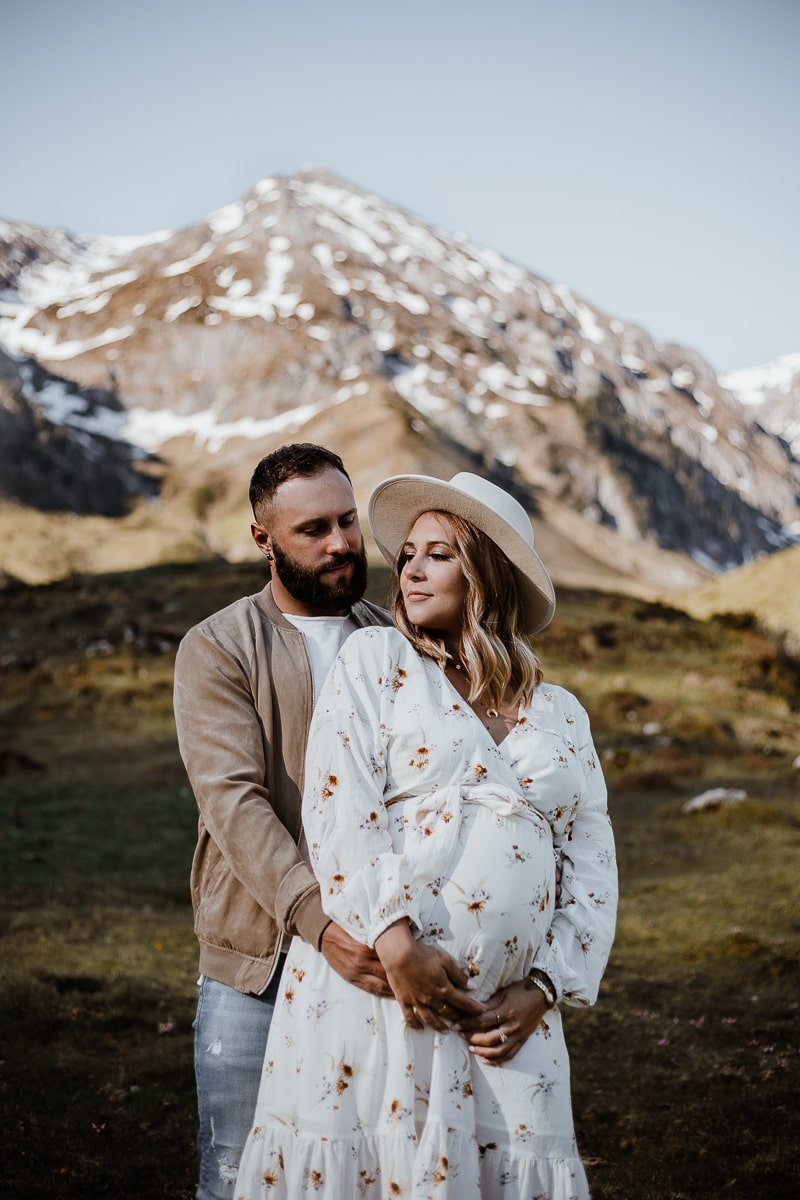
[{"x": 411, "y": 809}]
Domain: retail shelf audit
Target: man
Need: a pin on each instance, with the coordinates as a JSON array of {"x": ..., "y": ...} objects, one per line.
[{"x": 245, "y": 680}]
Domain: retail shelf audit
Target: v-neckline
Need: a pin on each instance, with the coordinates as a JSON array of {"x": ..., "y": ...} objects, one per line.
[{"x": 477, "y": 717}]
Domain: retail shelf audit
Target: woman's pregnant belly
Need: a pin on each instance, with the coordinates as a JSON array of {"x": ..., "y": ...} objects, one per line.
[{"x": 489, "y": 900}]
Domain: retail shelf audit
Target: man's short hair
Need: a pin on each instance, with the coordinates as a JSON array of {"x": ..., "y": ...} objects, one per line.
[{"x": 287, "y": 462}]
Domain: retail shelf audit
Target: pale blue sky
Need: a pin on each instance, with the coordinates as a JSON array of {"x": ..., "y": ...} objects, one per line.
[{"x": 646, "y": 155}]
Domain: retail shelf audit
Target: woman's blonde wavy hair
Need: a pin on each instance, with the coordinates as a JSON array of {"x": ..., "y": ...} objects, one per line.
[{"x": 492, "y": 652}]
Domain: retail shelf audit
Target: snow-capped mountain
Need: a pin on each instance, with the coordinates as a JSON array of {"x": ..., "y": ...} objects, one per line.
[
  {"x": 774, "y": 391},
  {"x": 61, "y": 446},
  {"x": 312, "y": 309}
]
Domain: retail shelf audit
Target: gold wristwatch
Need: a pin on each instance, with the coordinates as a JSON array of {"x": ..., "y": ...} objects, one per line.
[{"x": 539, "y": 979}]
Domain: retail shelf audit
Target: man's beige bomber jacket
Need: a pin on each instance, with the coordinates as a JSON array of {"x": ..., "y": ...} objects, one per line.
[{"x": 243, "y": 704}]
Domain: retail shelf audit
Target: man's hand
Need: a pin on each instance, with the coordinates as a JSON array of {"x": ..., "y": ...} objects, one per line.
[
  {"x": 428, "y": 983},
  {"x": 354, "y": 961}
]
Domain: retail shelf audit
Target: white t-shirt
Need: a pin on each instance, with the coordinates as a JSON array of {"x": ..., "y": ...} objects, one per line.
[{"x": 324, "y": 637}]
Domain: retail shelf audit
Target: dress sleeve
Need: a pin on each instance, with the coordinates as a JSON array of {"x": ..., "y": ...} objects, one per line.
[
  {"x": 576, "y": 949},
  {"x": 364, "y": 883}
]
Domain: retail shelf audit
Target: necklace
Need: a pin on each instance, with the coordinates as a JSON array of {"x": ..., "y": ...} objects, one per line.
[{"x": 491, "y": 713}]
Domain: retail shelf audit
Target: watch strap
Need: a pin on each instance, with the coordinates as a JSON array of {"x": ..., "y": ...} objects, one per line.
[{"x": 540, "y": 979}]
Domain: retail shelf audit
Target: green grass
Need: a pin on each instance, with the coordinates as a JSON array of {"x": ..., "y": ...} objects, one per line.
[{"x": 685, "y": 1075}]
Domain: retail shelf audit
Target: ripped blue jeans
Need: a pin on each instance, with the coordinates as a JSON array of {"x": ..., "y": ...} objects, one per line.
[{"x": 230, "y": 1036}]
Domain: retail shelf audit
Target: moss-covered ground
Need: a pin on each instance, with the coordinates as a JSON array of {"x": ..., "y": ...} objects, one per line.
[{"x": 685, "y": 1075}]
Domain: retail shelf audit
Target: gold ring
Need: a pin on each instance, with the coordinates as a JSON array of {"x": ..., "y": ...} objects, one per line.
[
  {"x": 416, "y": 1014},
  {"x": 503, "y": 1037}
]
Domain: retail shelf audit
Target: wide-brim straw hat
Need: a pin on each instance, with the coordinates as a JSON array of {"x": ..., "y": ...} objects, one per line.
[{"x": 396, "y": 503}]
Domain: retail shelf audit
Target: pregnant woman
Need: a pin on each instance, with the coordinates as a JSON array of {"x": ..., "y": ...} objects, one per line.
[{"x": 443, "y": 780}]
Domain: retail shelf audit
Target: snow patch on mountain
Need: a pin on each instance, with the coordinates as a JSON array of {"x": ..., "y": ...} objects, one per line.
[
  {"x": 62, "y": 404},
  {"x": 67, "y": 283},
  {"x": 773, "y": 394},
  {"x": 753, "y": 385},
  {"x": 184, "y": 265},
  {"x": 152, "y": 430},
  {"x": 32, "y": 341}
]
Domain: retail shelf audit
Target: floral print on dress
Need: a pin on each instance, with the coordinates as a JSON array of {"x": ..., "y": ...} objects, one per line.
[{"x": 411, "y": 810}]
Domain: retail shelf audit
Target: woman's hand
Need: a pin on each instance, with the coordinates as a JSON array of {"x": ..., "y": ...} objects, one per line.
[
  {"x": 428, "y": 984},
  {"x": 511, "y": 1016}
]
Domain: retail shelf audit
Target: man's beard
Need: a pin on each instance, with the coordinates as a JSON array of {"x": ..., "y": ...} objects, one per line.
[{"x": 306, "y": 585}]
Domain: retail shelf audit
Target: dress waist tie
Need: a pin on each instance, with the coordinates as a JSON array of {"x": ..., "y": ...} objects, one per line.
[{"x": 432, "y": 821}]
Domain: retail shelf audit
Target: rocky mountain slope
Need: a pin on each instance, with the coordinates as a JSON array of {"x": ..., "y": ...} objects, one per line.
[
  {"x": 61, "y": 447},
  {"x": 773, "y": 392},
  {"x": 310, "y": 309}
]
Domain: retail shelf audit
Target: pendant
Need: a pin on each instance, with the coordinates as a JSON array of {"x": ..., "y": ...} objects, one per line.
[{"x": 492, "y": 714}]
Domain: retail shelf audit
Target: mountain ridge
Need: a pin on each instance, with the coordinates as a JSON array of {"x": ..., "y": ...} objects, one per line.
[
  {"x": 312, "y": 309},
  {"x": 773, "y": 392}
]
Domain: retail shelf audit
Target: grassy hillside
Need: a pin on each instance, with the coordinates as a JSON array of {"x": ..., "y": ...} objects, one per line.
[
  {"x": 767, "y": 586},
  {"x": 685, "y": 1075}
]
